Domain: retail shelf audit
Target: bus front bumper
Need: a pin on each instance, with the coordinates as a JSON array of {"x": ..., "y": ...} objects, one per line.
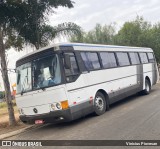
[{"x": 52, "y": 117}]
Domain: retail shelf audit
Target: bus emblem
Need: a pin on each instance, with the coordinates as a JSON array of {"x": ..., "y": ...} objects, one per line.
[{"x": 35, "y": 110}]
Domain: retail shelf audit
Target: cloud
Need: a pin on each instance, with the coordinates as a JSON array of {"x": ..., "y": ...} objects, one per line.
[{"x": 88, "y": 13}]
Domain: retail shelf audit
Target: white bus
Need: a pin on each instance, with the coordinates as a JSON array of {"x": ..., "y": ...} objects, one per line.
[{"x": 67, "y": 81}]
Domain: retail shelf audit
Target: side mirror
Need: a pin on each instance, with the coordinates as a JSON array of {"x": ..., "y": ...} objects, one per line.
[{"x": 67, "y": 61}]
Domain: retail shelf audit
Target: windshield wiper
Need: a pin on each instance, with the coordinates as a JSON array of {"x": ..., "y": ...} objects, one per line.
[{"x": 42, "y": 88}]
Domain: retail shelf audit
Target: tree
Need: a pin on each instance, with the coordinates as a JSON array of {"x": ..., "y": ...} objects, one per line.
[
  {"x": 4, "y": 71},
  {"x": 133, "y": 33},
  {"x": 99, "y": 35},
  {"x": 32, "y": 25},
  {"x": 24, "y": 21},
  {"x": 46, "y": 33},
  {"x": 140, "y": 33},
  {"x": 154, "y": 43}
]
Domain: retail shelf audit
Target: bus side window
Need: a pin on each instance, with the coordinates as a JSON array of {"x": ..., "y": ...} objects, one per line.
[
  {"x": 72, "y": 73},
  {"x": 86, "y": 61},
  {"x": 151, "y": 57},
  {"x": 143, "y": 57},
  {"x": 123, "y": 59},
  {"x": 134, "y": 58},
  {"x": 108, "y": 59},
  {"x": 91, "y": 60}
]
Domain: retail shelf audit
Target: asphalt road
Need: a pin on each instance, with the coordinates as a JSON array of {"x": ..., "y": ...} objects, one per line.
[{"x": 134, "y": 118}]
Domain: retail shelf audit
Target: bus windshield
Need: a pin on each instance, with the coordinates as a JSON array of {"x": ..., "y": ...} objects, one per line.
[
  {"x": 45, "y": 72},
  {"x": 24, "y": 82}
]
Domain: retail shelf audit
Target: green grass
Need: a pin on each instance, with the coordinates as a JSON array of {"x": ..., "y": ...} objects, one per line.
[
  {"x": 3, "y": 108},
  {"x": 4, "y": 104}
]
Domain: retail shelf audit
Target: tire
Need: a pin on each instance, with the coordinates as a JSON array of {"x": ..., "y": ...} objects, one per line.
[
  {"x": 147, "y": 89},
  {"x": 99, "y": 104}
]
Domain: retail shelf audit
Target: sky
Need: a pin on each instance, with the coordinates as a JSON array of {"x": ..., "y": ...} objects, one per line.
[{"x": 87, "y": 13}]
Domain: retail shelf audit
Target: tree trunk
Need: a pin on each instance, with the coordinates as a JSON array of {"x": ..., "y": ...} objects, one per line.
[{"x": 4, "y": 71}]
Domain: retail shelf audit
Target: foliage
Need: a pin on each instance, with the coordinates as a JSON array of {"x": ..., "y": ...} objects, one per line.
[
  {"x": 99, "y": 35},
  {"x": 4, "y": 105},
  {"x": 133, "y": 33},
  {"x": 138, "y": 33},
  {"x": 2, "y": 94},
  {"x": 25, "y": 21},
  {"x": 154, "y": 40}
]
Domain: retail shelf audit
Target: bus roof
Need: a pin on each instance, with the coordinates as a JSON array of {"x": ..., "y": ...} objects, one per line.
[{"x": 88, "y": 47}]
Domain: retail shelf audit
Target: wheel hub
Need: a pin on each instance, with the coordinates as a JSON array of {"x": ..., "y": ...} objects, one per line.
[{"x": 99, "y": 103}]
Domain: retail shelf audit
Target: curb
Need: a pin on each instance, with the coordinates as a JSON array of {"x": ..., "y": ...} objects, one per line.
[{"x": 13, "y": 133}]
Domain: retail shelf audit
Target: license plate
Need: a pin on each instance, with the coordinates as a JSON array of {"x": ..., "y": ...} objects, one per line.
[{"x": 39, "y": 121}]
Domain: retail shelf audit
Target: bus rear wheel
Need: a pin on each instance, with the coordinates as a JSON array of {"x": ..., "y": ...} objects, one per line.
[
  {"x": 99, "y": 104},
  {"x": 147, "y": 89}
]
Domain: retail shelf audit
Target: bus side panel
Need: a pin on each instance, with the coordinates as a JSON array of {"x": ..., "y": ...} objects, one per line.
[
  {"x": 117, "y": 85},
  {"x": 117, "y": 82},
  {"x": 81, "y": 104},
  {"x": 125, "y": 84},
  {"x": 79, "y": 97},
  {"x": 154, "y": 73},
  {"x": 140, "y": 77},
  {"x": 125, "y": 91}
]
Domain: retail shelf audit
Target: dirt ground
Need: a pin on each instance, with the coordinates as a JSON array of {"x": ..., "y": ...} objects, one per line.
[
  {"x": 7, "y": 129},
  {"x": 4, "y": 122}
]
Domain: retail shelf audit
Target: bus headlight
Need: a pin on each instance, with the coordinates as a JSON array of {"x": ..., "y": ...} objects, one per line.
[
  {"x": 58, "y": 106},
  {"x": 53, "y": 106}
]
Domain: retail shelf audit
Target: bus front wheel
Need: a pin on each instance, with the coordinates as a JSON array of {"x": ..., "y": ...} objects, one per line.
[{"x": 99, "y": 104}]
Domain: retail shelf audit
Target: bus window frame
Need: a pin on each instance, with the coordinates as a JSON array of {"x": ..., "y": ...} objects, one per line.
[
  {"x": 98, "y": 60},
  {"x": 118, "y": 60},
  {"x": 114, "y": 56},
  {"x": 138, "y": 58},
  {"x": 62, "y": 60},
  {"x": 153, "y": 57}
]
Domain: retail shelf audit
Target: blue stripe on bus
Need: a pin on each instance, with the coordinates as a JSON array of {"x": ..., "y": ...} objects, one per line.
[{"x": 68, "y": 45}]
